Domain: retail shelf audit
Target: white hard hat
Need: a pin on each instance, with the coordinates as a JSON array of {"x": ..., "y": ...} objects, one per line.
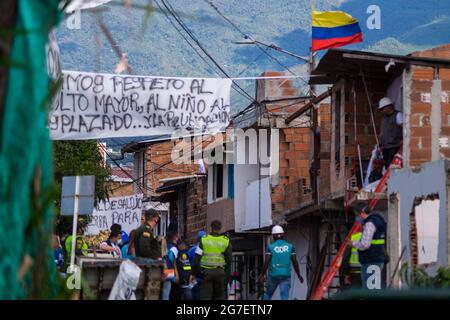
[
  {"x": 385, "y": 102},
  {"x": 277, "y": 230}
]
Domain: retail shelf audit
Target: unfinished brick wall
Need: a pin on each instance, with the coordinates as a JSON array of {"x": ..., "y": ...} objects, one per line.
[
  {"x": 340, "y": 171},
  {"x": 294, "y": 187},
  {"x": 121, "y": 189},
  {"x": 159, "y": 164},
  {"x": 420, "y": 144},
  {"x": 324, "y": 114},
  {"x": 294, "y": 184},
  {"x": 196, "y": 208},
  {"x": 275, "y": 90}
]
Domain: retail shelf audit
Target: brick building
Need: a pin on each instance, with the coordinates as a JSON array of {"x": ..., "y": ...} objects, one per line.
[
  {"x": 179, "y": 185},
  {"x": 419, "y": 86},
  {"x": 122, "y": 181},
  {"x": 263, "y": 182}
]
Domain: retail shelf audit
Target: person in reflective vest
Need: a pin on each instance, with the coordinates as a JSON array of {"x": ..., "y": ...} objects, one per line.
[
  {"x": 371, "y": 249},
  {"x": 351, "y": 268},
  {"x": 280, "y": 254},
  {"x": 81, "y": 246},
  {"x": 211, "y": 258},
  {"x": 355, "y": 266}
]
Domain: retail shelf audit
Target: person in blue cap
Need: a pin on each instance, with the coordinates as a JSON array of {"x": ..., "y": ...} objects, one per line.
[{"x": 191, "y": 257}]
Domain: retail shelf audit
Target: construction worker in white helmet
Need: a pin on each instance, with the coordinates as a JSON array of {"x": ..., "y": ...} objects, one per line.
[
  {"x": 279, "y": 256},
  {"x": 391, "y": 135}
]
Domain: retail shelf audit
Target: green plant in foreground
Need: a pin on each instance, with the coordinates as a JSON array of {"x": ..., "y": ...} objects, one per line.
[{"x": 417, "y": 277}]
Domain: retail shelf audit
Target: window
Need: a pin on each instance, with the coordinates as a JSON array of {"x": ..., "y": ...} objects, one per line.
[
  {"x": 218, "y": 181},
  {"x": 230, "y": 181}
]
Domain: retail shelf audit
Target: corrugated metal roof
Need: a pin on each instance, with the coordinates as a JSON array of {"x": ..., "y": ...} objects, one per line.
[{"x": 338, "y": 63}]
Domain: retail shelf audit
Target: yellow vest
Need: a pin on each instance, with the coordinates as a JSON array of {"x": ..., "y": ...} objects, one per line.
[
  {"x": 354, "y": 257},
  {"x": 213, "y": 251},
  {"x": 80, "y": 245}
]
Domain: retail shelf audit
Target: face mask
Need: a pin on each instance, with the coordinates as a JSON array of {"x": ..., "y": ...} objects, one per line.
[{"x": 119, "y": 242}]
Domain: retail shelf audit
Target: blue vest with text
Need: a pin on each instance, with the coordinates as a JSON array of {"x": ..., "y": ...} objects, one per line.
[{"x": 280, "y": 266}]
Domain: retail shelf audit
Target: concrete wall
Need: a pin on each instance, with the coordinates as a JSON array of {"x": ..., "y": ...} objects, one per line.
[
  {"x": 196, "y": 208},
  {"x": 222, "y": 210},
  {"x": 405, "y": 185}
]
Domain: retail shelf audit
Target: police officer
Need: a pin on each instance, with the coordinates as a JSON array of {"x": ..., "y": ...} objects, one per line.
[
  {"x": 280, "y": 254},
  {"x": 371, "y": 249},
  {"x": 211, "y": 257},
  {"x": 146, "y": 244}
]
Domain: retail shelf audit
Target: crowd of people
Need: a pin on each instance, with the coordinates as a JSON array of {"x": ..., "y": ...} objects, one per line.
[
  {"x": 185, "y": 269},
  {"x": 199, "y": 272}
]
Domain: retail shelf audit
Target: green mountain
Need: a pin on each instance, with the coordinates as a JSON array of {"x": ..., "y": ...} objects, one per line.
[{"x": 155, "y": 46}]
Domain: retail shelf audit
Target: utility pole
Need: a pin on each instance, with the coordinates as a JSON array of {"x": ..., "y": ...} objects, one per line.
[
  {"x": 274, "y": 47},
  {"x": 315, "y": 126}
]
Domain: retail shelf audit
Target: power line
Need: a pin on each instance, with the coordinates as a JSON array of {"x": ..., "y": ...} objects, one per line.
[
  {"x": 131, "y": 177},
  {"x": 195, "y": 50},
  {"x": 158, "y": 168},
  {"x": 119, "y": 166},
  {"x": 246, "y": 36},
  {"x": 173, "y": 13},
  {"x": 186, "y": 39},
  {"x": 252, "y": 63}
]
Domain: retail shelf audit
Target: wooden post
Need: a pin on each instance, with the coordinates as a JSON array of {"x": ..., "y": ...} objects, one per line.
[{"x": 315, "y": 125}]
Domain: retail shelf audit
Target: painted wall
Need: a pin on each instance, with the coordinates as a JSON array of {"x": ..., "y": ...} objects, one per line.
[
  {"x": 258, "y": 206},
  {"x": 244, "y": 174},
  {"x": 403, "y": 187}
]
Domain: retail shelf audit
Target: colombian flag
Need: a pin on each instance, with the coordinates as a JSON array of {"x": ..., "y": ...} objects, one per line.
[{"x": 332, "y": 29}]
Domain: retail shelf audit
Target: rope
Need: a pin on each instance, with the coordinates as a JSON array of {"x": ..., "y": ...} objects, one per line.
[{"x": 370, "y": 107}]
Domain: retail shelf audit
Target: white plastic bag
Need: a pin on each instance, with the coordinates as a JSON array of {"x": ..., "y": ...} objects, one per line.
[{"x": 126, "y": 282}]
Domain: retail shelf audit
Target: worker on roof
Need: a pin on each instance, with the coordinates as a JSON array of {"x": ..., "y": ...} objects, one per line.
[
  {"x": 371, "y": 248},
  {"x": 391, "y": 135},
  {"x": 212, "y": 257},
  {"x": 280, "y": 254}
]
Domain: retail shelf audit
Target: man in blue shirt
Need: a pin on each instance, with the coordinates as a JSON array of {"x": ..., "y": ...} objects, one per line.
[
  {"x": 280, "y": 254},
  {"x": 191, "y": 257}
]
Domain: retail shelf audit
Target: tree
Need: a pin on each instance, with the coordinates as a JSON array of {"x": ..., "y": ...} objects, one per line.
[{"x": 79, "y": 158}]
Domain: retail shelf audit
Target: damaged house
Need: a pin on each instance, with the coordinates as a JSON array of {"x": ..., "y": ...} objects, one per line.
[{"x": 419, "y": 86}]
